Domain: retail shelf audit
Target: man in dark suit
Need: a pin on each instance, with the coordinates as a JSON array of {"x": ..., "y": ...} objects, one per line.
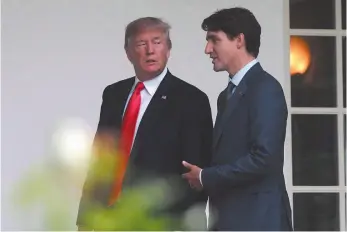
[
  {"x": 245, "y": 182},
  {"x": 158, "y": 119}
]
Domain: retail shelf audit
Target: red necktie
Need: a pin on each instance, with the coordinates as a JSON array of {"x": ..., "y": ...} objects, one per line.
[{"x": 126, "y": 139}]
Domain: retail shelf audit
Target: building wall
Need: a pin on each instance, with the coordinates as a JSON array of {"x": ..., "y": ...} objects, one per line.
[{"x": 58, "y": 55}]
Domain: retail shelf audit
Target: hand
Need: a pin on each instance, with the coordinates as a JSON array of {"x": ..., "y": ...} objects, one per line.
[{"x": 193, "y": 175}]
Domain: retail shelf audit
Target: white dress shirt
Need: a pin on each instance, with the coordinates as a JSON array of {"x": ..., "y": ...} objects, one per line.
[{"x": 147, "y": 93}]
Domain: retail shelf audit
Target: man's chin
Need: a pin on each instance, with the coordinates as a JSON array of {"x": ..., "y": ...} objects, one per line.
[
  {"x": 218, "y": 69},
  {"x": 153, "y": 72}
]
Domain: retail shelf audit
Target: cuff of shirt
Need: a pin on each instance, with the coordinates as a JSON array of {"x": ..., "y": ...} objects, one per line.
[{"x": 200, "y": 177}]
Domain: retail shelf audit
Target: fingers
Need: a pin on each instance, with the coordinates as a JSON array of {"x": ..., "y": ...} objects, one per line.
[
  {"x": 186, "y": 176},
  {"x": 187, "y": 165}
]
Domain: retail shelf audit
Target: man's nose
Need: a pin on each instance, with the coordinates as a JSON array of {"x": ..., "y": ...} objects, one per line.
[
  {"x": 208, "y": 49},
  {"x": 149, "y": 48}
]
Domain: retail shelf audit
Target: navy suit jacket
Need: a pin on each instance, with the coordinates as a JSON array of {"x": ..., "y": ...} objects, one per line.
[{"x": 245, "y": 181}]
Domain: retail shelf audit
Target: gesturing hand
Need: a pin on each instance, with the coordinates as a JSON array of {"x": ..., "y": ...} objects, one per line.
[{"x": 193, "y": 175}]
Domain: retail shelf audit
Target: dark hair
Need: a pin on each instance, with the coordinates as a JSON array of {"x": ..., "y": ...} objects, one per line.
[
  {"x": 234, "y": 21},
  {"x": 139, "y": 24}
]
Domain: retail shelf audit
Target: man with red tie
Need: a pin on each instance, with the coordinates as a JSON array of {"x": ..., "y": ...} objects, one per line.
[{"x": 158, "y": 119}]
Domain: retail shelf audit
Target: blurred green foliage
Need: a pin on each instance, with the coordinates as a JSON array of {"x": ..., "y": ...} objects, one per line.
[{"x": 47, "y": 187}]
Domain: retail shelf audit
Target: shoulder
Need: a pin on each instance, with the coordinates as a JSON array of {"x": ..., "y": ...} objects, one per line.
[
  {"x": 264, "y": 82},
  {"x": 187, "y": 90},
  {"x": 267, "y": 90},
  {"x": 264, "y": 87},
  {"x": 116, "y": 86},
  {"x": 119, "y": 84},
  {"x": 190, "y": 100}
]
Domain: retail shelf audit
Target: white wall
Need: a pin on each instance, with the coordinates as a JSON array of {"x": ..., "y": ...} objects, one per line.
[{"x": 58, "y": 55}]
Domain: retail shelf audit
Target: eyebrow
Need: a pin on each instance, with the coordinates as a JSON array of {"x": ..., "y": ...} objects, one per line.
[
  {"x": 142, "y": 41},
  {"x": 208, "y": 37}
]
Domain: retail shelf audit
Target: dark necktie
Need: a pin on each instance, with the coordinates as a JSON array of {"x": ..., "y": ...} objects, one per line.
[
  {"x": 224, "y": 100},
  {"x": 229, "y": 90}
]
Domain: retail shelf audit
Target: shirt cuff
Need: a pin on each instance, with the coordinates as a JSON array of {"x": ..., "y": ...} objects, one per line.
[{"x": 200, "y": 177}]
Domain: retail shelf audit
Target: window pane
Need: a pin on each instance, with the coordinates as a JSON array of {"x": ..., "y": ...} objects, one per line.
[
  {"x": 314, "y": 146},
  {"x": 313, "y": 71},
  {"x": 312, "y": 14},
  {"x": 316, "y": 211},
  {"x": 344, "y": 69},
  {"x": 343, "y": 7}
]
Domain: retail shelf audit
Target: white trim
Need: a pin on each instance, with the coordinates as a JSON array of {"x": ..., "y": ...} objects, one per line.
[
  {"x": 338, "y": 15},
  {"x": 317, "y": 32},
  {"x": 319, "y": 189},
  {"x": 309, "y": 110},
  {"x": 288, "y": 163},
  {"x": 339, "y": 64},
  {"x": 340, "y": 137},
  {"x": 341, "y": 169}
]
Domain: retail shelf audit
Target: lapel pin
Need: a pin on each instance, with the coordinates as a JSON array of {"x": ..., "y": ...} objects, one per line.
[{"x": 163, "y": 97}]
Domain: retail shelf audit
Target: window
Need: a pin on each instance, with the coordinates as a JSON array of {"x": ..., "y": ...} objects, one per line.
[{"x": 317, "y": 121}]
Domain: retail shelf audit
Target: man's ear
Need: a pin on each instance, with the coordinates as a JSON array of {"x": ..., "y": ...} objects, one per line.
[
  {"x": 240, "y": 39},
  {"x": 127, "y": 51},
  {"x": 168, "y": 53}
]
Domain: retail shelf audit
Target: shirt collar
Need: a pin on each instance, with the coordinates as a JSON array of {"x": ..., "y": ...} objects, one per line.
[
  {"x": 152, "y": 85},
  {"x": 236, "y": 79}
]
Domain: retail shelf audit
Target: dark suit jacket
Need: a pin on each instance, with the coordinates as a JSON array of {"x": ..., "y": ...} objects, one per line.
[
  {"x": 174, "y": 128},
  {"x": 246, "y": 182}
]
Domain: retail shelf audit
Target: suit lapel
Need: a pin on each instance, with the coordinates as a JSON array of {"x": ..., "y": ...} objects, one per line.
[
  {"x": 233, "y": 102},
  {"x": 231, "y": 106},
  {"x": 220, "y": 107},
  {"x": 154, "y": 110}
]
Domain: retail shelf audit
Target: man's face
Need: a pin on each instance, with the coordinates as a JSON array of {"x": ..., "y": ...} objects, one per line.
[
  {"x": 149, "y": 52},
  {"x": 222, "y": 50}
]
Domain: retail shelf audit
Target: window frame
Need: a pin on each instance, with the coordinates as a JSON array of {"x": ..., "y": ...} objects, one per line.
[{"x": 339, "y": 110}]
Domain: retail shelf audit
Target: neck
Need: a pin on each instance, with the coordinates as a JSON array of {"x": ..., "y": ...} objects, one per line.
[
  {"x": 146, "y": 76},
  {"x": 143, "y": 77},
  {"x": 240, "y": 63}
]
